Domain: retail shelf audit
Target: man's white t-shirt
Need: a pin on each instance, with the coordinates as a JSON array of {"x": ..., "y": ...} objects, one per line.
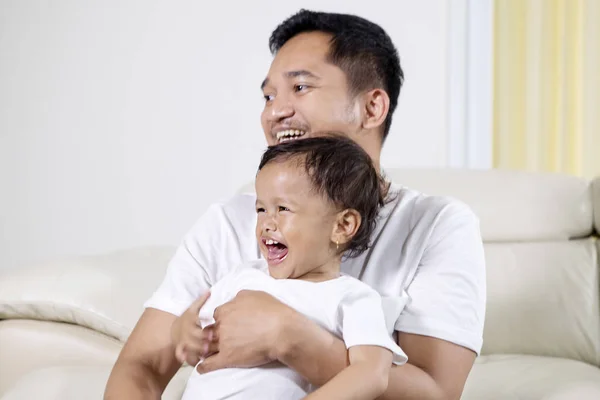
[
  {"x": 427, "y": 249},
  {"x": 345, "y": 306}
]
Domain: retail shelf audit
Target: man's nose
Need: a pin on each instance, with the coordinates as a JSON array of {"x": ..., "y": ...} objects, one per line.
[{"x": 281, "y": 108}]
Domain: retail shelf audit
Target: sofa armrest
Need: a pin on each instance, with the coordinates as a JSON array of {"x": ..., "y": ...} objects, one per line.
[{"x": 105, "y": 292}]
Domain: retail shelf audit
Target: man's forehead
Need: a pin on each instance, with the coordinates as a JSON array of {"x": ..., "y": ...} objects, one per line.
[
  {"x": 301, "y": 51},
  {"x": 297, "y": 61}
]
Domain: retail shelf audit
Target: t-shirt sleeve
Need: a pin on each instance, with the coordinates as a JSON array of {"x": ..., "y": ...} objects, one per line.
[
  {"x": 191, "y": 271},
  {"x": 448, "y": 291},
  {"x": 363, "y": 323}
]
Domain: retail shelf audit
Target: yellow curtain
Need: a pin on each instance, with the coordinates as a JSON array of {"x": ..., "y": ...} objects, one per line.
[{"x": 547, "y": 85}]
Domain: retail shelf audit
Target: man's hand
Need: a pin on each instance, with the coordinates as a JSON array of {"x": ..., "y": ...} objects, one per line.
[
  {"x": 192, "y": 343},
  {"x": 248, "y": 330}
]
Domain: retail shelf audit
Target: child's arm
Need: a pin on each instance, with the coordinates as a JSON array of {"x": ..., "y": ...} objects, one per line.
[{"x": 366, "y": 378}]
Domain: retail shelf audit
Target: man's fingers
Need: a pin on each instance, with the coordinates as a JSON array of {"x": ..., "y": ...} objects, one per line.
[
  {"x": 213, "y": 347},
  {"x": 210, "y": 333},
  {"x": 199, "y": 346},
  {"x": 212, "y": 363},
  {"x": 218, "y": 311},
  {"x": 197, "y": 305},
  {"x": 188, "y": 355},
  {"x": 180, "y": 353},
  {"x": 192, "y": 359},
  {"x": 210, "y": 343},
  {"x": 196, "y": 333}
]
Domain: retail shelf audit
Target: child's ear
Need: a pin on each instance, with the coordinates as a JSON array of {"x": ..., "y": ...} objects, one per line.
[{"x": 345, "y": 226}]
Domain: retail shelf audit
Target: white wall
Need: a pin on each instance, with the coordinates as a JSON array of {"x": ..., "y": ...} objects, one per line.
[{"x": 121, "y": 121}]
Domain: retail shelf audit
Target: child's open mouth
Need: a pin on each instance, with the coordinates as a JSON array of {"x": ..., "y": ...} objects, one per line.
[{"x": 276, "y": 251}]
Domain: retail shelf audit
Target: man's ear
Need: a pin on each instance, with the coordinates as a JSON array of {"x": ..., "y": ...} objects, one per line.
[
  {"x": 345, "y": 226},
  {"x": 376, "y": 108}
]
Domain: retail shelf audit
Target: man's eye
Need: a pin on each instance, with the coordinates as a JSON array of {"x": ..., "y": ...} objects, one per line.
[
  {"x": 300, "y": 88},
  {"x": 268, "y": 97}
]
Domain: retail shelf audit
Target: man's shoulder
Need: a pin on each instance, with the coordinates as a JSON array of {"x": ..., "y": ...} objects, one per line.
[
  {"x": 235, "y": 211},
  {"x": 240, "y": 205},
  {"x": 430, "y": 209},
  {"x": 226, "y": 230}
]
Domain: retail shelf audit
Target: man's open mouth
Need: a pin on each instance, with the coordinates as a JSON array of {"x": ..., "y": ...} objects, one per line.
[
  {"x": 290, "y": 134},
  {"x": 276, "y": 252}
]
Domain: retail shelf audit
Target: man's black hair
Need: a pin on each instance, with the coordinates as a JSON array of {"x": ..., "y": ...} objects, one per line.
[
  {"x": 360, "y": 48},
  {"x": 343, "y": 173}
]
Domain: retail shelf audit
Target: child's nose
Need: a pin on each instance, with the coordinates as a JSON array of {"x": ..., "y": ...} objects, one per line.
[{"x": 269, "y": 224}]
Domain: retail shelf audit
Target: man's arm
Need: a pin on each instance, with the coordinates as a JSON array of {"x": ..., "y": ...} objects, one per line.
[
  {"x": 366, "y": 377},
  {"x": 436, "y": 369},
  {"x": 147, "y": 361},
  {"x": 441, "y": 366}
]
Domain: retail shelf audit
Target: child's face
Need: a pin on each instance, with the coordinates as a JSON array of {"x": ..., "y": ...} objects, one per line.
[{"x": 294, "y": 225}]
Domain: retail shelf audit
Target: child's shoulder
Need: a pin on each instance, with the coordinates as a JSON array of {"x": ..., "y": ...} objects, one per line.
[{"x": 355, "y": 288}]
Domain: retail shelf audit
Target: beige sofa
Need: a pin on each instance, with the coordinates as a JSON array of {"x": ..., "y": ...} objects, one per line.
[{"x": 64, "y": 322}]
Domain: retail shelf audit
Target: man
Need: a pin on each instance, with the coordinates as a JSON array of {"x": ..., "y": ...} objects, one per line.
[{"x": 330, "y": 72}]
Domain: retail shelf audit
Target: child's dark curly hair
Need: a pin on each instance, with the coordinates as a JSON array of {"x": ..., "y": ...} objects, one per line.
[{"x": 341, "y": 171}]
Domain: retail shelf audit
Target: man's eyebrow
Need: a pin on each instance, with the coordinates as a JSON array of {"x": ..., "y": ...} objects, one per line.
[
  {"x": 304, "y": 73},
  {"x": 264, "y": 83},
  {"x": 292, "y": 74}
]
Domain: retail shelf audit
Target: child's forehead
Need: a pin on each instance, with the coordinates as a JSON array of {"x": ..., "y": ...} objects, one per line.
[
  {"x": 287, "y": 169},
  {"x": 279, "y": 180}
]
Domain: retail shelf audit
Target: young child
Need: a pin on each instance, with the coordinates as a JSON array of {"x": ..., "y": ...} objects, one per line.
[{"x": 317, "y": 199}]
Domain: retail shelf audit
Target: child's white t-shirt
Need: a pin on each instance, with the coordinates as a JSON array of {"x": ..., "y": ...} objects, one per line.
[
  {"x": 425, "y": 249},
  {"x": 344, "y": 306}
]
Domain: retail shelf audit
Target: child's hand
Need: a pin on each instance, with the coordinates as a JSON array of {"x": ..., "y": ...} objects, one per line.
[{"x": 192, "y": 343}]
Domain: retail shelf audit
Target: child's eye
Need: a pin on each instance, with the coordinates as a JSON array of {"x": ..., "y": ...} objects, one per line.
[
  {"x": 282, "y": 208},
  {"x": 260, "y": 210}
]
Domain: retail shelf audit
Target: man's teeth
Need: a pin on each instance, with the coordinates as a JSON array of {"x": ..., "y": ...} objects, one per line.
[
  {"x": 270, "y": 242},
  {"x": 290, "y": 134}
]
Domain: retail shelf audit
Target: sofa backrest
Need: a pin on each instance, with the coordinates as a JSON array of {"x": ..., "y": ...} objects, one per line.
[{"x": 541, "y": 254}]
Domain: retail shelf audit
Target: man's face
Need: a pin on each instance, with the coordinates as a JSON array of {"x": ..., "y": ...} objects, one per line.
[{"x": 305, "y": 95}]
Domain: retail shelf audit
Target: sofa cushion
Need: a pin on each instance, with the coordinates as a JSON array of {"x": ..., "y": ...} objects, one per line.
[
  {"x": 596, "y": 193},
  {"x": 27, "y": 345},
  {"x": 492, "y": 377},
  {"x": 512, "y": 205},
  {"x": 542, "y": 299},
  {"x": 79, "y": 382},
  {"x": 105, "y": 293},
  {"x": 505, "y": 377}
]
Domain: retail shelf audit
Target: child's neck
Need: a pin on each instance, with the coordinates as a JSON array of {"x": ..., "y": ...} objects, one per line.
[{"x": 323, "y": 273}]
